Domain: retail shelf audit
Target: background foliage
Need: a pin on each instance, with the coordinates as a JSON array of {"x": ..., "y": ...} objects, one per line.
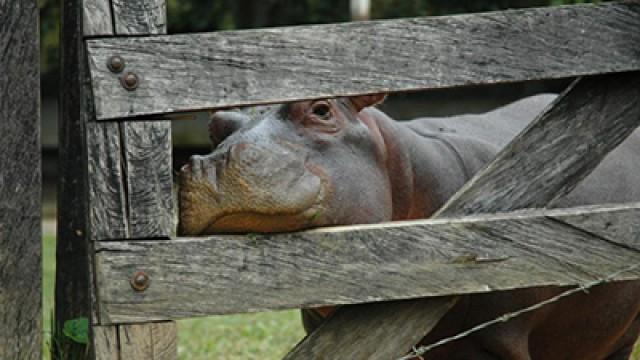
[{"x": 211, "y": 15}]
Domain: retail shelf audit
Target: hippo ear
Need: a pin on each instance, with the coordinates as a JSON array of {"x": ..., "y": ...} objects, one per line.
[
  {"x": 224, "y": 123},
  {"x": 363, "y": 101}
]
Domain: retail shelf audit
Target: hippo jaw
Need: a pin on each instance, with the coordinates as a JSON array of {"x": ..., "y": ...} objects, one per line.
[{"x": 235, "y": 202}]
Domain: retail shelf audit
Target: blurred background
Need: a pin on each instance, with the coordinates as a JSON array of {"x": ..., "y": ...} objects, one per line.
[{"x": 270, "y": 335}]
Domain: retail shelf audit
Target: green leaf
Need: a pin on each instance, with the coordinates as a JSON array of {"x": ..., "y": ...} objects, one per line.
[{"x": 77, "y": 330}]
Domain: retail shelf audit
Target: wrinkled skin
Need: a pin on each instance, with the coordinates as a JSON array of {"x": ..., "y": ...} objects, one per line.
[{"x": 341, "y": 161}]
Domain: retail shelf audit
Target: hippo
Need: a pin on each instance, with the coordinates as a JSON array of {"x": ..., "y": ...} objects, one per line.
[{"x": 342, "y": 161}]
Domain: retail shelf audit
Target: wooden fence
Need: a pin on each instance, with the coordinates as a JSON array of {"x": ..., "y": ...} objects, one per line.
[
  {"x": 20, "y": 182},
  {"x": 122, "y": 76}
]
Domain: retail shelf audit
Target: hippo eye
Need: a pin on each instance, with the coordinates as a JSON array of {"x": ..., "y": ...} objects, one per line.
[{"x": 322, "y": 110}]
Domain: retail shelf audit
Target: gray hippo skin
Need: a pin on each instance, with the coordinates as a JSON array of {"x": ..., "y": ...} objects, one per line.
[{"x": 341, "y": 161}]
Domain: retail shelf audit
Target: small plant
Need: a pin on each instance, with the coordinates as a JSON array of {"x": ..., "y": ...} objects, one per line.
[
  {"x": 70, "y": 343},
  {"x": 77, "y": 330}
]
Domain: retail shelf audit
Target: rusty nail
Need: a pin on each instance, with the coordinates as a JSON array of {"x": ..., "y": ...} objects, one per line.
[
  {"x": 130, "y": 81},
  {"x": 140, "y": 281},
  {"x": 116, "y": 64}
]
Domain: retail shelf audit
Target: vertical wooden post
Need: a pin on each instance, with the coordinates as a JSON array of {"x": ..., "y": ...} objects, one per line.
[
  {"x": 73, "y": 270},
  {"x": 115, "y": 181},
  {"x": 20, "y": 183}
]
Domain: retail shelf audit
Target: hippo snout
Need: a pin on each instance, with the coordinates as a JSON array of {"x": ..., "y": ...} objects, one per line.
[{"x": 249, "y": 187}]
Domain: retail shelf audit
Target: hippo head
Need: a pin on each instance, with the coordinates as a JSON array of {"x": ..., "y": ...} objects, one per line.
[{"x": 289, "y": 167}]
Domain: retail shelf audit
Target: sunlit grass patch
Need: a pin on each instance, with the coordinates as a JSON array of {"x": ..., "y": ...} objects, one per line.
[{"x": 250, "y": 336}]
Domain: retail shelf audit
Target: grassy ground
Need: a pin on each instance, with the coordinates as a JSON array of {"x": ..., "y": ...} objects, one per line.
[
  {"x": 48, "y": 279},
  {"x": 252, "y": 336}
]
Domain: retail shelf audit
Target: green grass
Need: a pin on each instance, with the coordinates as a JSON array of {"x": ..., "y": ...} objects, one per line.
[
  {"x": 250, "y": 336},
  {"x": 48, "y": 280}
]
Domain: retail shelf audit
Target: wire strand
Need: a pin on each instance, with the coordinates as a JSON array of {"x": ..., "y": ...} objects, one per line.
[{"x": 419, "y": 351}]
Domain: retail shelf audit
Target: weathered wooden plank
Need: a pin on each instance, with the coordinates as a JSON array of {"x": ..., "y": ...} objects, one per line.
[
  {"x": 107, "y": 196},
  {"x": 560, "y": 148},
  {"x": 148, "y": 341},
  {"x": 467, "y": 199},
  {"x": 106, "y": 343},
  {"x": 147, "y": 164},
  {"x": 198, "y": 71},
  {"x": 146, "y": 145},
  {"x": 347, "y": 327},
  {"x": 136, "y": 341},
  {"x": 618, "y": 227},
  {"x": 97, "y": 18},
  {"x": 149, "y": 178},
  {"x": 138, "y": 17},
  {"x": 230, "y": 274},
  {"x": 20, "y": 183},
  {"x": 165, "y": 340}
]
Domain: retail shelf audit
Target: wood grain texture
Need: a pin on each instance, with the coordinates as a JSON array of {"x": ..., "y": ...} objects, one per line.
[
  {"x": 231, "y": 274},
  {"x": 165, "y": 340},
  {"x": 558, "y": 149},
  {"x": 224, "y": 69},
  {"x": 616, "y": 226},
  {"x": 20, "y": 182},
  {"x": 347, "y": 326},
  {"x": 140, "y": 17},
  {"x": 106, "y": 345},
  {"x": 97, "y": 18},
  {"x": 149, "y": 178},
  {"x": 107, "y": 196},
  {"x": 155, "y": 341},
  {"x": 145, "y": 150},
  {"x": 148, "y": 341},
  {"x": 136, "y": 341},
  {"x": 146, "y": 145},
  {"x": 519, "y": 191}
]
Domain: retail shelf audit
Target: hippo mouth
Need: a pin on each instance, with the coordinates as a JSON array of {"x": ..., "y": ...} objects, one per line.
[
  {"x": 244, "y": 221},
  {"x": 210, "y": 209}
]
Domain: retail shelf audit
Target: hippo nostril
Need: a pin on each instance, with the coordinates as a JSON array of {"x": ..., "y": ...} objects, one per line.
[
  {"x": 228, "y": 154},
  {"x": 202, "y": 168},
  {"x": 210, "y": 173},
  {"x": 195, "y": 164}
]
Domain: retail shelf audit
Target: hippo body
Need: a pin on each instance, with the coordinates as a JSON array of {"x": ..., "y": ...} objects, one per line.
[{"x": 341, "y": 161}]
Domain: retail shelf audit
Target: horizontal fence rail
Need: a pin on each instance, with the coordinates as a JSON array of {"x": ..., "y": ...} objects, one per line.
[
  {"x": 232, "y": 274},
  {"x": 193, "y": 72}
]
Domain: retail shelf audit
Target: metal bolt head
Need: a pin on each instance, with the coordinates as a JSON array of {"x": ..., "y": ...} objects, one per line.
[
  {"x": 130, "y": 81},
  {"x": 140, "y": 281},
  {"x": 115, "y": 64}
]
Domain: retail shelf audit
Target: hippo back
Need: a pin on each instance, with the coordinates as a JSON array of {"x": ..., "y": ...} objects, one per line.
[{"x": 477, "y": 138}]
